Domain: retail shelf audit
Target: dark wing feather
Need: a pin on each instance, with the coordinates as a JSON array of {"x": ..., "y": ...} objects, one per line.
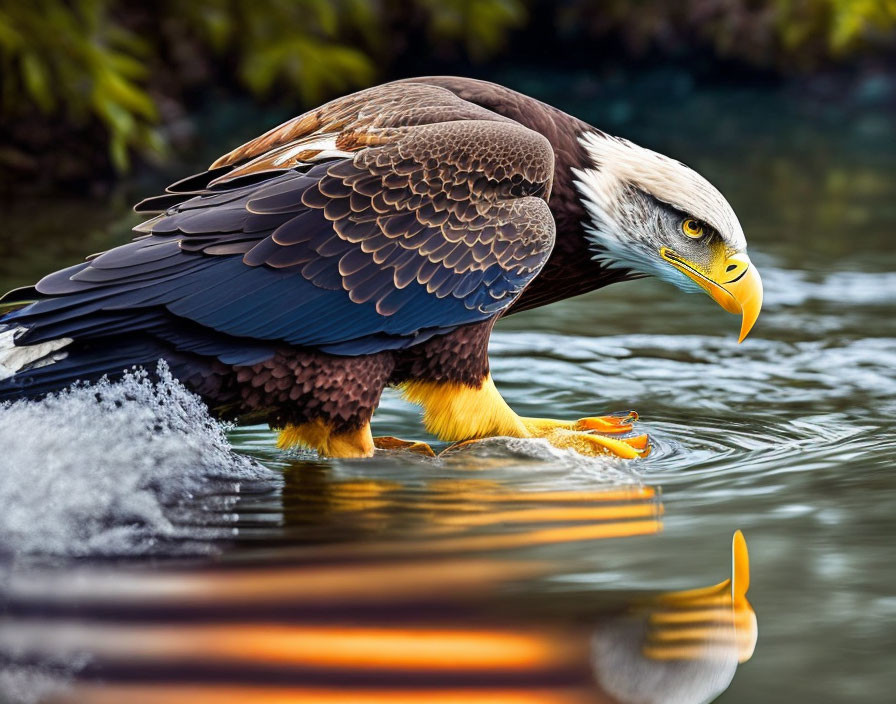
[{"x": 370, "y": 224}]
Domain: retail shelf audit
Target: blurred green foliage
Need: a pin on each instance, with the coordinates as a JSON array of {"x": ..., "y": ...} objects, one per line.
[
  {"x": 303, "y": 44},
  {"x": 72, "y": 59},
  {"x": 481, "y": 27},
  {"x": 787, "y": 34},
  {"x": 114, "y": 61},
  {"x": 116, "y": 71}
]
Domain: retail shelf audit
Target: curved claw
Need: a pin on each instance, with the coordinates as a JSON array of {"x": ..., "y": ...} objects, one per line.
[
  {"x": 388, "y": 442},
  {"x": 621, "y": 423},
  {"x": 639, "y": 442}
]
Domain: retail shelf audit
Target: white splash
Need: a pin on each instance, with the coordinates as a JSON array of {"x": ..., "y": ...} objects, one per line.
[{"x": 110, "y": 468}]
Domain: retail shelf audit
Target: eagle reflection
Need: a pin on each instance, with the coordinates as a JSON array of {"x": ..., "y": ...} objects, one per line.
[{"x": 461, "y": 611}]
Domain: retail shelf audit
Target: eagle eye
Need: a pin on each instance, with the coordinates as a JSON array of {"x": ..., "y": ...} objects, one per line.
[{"x": 693, "y": 228}]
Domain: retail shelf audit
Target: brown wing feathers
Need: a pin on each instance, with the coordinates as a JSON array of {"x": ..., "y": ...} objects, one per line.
[
  {"x": 351, "y": 123},
  {"x": 418, "y": 215},
  {"x": 437, "y": 192},
  {"x": 437, "y": 217}
]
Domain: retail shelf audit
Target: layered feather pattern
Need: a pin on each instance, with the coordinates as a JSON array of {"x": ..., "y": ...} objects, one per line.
[{"x": 351, "y": 235}]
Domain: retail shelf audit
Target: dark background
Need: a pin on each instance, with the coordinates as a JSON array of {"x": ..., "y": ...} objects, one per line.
[{"x": 93, "y": 90}]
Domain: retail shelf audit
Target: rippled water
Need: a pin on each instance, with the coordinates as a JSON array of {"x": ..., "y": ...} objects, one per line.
[{"x": 181, "y": 563}]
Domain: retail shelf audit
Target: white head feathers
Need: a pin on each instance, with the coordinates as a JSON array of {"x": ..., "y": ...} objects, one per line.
[{"x": 619, "y": 166}]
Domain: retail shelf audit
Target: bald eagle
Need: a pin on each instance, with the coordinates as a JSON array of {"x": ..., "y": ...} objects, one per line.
[{"x": 375, "y": 241}]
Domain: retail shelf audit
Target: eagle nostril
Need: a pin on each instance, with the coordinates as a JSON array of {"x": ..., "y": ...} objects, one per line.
[{"x": 731, "y": 267}]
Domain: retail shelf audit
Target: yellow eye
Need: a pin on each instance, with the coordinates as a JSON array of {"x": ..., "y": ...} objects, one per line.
[{"x": 692, "y": 228}]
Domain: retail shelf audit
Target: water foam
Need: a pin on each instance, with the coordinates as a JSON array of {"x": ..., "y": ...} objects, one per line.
[
  {"x": 534, "y": 461},
  {"x": 32, "y": 684},
  {"x": 114, "y": 469}
]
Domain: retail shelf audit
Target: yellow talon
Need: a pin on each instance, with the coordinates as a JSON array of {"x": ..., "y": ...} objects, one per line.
[
  {"x": 587, "y": 443},
  {"x": 588, "y": 436},
  {"x": 608, "y": 424},
  {"x": 639, "y": 442}
]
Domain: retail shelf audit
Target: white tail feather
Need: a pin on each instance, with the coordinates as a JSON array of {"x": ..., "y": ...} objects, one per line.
[{"x": 13, "y": 358}]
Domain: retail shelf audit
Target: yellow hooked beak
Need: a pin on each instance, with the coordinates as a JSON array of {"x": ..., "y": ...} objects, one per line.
[{"x": 733, "y": 283}]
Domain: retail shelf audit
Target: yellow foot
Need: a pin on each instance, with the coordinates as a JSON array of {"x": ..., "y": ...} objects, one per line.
[
  {"x": 593, "y": 445},
  {"x": 462, "y": 412},
  {"x": 319, "y": 435},
  {"x": 387, "y": 442},
  {"x": 588, "y": 436}
]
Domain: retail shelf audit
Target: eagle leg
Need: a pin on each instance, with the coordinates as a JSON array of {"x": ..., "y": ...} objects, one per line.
[
  {"x": 320, "y": 435},
  {"x": 466, "y": 412},
  {"x": 388, "y": 442}
]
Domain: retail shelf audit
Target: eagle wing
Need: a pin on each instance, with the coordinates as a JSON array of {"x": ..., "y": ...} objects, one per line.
[{"x": 371, "y": 223}]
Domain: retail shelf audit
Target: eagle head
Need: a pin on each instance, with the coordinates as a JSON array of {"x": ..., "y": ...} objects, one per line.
[{"x": 656, "y": 217}]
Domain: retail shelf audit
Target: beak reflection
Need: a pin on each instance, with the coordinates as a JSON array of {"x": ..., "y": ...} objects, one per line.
[{"x": 702, "y": 623}]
